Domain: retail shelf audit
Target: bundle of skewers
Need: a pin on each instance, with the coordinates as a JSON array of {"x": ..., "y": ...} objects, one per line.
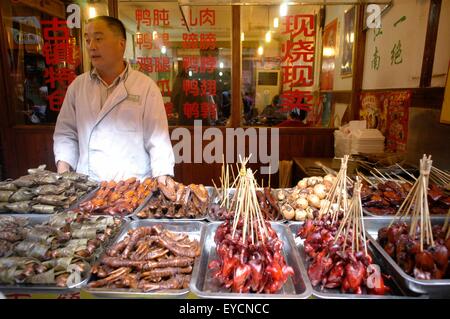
[
  {"x": 250, "y": 254},
  {"x": 384, "y": 194},
  {"x": 420, "y": 248},
  {"x": 440, "y": 178},
  {"x": 221, "y": 207},
  {"x": 336, "y": 246}
]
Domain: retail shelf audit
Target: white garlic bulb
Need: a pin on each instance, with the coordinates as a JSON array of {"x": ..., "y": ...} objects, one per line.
[
  {"x": 314, "y": 200},
  {"x": 300, "y": 215},
  {"x": 320, "y": 191}
]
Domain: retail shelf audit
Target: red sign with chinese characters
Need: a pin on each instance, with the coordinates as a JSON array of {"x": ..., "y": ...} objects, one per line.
[
  {"x": 62, "y": 58},
  {"x": 297, "y": 62}
]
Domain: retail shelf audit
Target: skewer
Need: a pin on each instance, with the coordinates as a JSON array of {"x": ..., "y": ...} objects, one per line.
[
  {"x": 416, "y": 204},
  {"x": 402, "y": 179},
  {"x": 270, "y": 173},
  {"x": 444, "y": 228},
  {"x": 405, "y": 171},
  {"x": 376, "y": 176}
]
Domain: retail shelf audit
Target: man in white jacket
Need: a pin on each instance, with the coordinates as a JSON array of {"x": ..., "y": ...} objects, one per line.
[{"x": 112, "y": 124}]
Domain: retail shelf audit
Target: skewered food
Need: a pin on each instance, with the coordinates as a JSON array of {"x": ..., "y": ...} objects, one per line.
[
  {"x": 420, "y": 249},
  {"x": 430, "y": 263},
  {"x": 336, "y": 247},
  {"x": 386, "y": 197},
  {"x": 147, "y": 259},
  {"x": 250, "y": 255}
]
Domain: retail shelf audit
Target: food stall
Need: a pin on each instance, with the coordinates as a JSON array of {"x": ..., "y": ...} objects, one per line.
[{"x": 298, "y": 130}]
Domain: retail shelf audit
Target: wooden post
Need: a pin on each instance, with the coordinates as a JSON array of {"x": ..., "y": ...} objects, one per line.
[
  {"x": 358, "y": 63},
  {"x": 236, "y": 54},
  {"x": 430, "y": 43},
  {"x": 113, "y": 8}
]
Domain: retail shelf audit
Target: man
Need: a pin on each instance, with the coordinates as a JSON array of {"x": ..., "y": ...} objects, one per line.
[{"x": 112, "y": 124}]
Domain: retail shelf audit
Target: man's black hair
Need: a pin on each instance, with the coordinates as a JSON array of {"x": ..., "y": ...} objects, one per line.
[{"x": 113, "y": 23}]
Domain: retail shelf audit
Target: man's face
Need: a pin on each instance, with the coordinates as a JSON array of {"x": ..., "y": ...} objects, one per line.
[{"x": 105, "y": 47}]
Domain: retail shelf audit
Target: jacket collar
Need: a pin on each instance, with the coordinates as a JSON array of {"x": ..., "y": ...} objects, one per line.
[{"x": 122, "y": 76}]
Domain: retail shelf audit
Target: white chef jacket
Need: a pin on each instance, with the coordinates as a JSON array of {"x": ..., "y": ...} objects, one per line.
[{"x": 127, "y": 137}]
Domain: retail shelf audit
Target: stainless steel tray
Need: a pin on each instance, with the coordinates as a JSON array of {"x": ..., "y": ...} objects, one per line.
[
  {"x": 204, "y": 286},
  {"x": 83, "y": 198},
  {"x": 326, "y": 293},
  {"x": 211, "y": 192},
  {"x": 433, "y": 288},
  {"x": 195, "y": 230},
  {"x": 215, "y": 200},
  {"x": 369, "y": 214}
]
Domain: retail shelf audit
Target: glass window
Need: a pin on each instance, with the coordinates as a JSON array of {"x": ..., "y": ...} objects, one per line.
[
  {"x": 187, "y": 51},
  {"x": 43, "y": 57},
  {"x": 282, "y": 64}
]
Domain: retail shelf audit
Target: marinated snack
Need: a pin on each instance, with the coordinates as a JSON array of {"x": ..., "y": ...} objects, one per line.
[
  {"x": 420, "y": 249},
  {"x": 176, "y": 201},
  {"x": 147, "y": 259},
  {"x": 384, "y": 198},
  {"x": 250, "y": 254},
  {"x": 119, "y": 198}
]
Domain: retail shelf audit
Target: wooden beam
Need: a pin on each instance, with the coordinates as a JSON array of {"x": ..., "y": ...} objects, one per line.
[
  {"x": 358, "y": 63},
  {"x": 236, "y": 52},
  {"x": 430, "y": 43},
  {"x": 8, "y": 145},
  {"x": 113, "y": 8}
]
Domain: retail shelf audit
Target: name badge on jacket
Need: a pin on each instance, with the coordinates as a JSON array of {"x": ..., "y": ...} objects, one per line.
[{"x": 134, "y": 98}]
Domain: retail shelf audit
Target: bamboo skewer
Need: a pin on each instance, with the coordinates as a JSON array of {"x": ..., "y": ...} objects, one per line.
[
  {"x": 406, "y": 172},
  {"x": 365, "y": 178},
  {"x": 246, "y": 207},
  {"x": 353, "y": 223},
  {"x": 416, "y": 204},
  {"x": 338, "y": 193}
]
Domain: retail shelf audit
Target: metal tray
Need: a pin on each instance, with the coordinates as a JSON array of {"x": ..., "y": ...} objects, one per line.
[
  {"x": 204, "y": 286},
  {"x": 433, "y": 288},
  {"x": 83, "y": 198},
  {"x": 397, "y": 292},
  {"x": 195, "y": 229},
  {"x": 215, "y": 200},
  {"x": 211, "y": 192},
  {"x": 367, "y": 213}
]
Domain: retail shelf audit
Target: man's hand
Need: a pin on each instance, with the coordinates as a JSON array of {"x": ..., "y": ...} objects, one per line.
[
  {"x": 162, "y": 179},
  {"x": 62, "y": 167}
]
